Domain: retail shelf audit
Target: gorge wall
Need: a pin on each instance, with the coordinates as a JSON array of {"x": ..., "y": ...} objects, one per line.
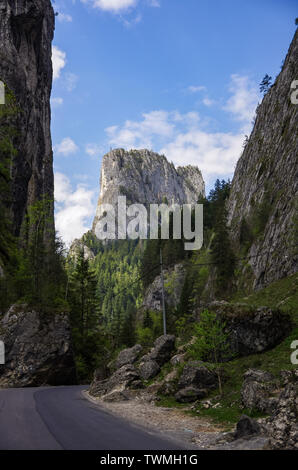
[
  {"x": 264, "y": 196},
  {"x": 26, "y": 33}
]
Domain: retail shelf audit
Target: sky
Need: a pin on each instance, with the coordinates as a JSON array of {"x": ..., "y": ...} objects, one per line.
[{"x": 180, "y": 77}]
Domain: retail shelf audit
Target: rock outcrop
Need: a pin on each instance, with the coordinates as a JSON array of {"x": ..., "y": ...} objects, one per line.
[
  {"x": 283, "y": 424},
  {"x": 196, "y": 374},
  {"x": 252, "y": 330},
  {"x": 257, "y": 389},
  {"x": 162, "y": 351},
  {"x": 37, "y": 349},
  {"x": 128, "y": 356},
  {"x": 146, "y": 177},
  {"x": 26, "y": 33},
  {"x": 153, "y": 296},
  {"x": 117, "y": 387},
  {"x": 263, "y": 200}
]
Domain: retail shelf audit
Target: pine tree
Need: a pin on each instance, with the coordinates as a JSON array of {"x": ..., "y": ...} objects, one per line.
[{"x": 265, "y": 84}]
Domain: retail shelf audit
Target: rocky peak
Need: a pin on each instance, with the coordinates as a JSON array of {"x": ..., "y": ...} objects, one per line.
[{"x": 146, "y": 177}]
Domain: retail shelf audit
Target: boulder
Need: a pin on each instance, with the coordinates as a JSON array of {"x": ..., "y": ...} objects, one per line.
[
  {"x": 149, "y": 369},
  {"x": 247, "y": 427},
  {"x": 178, "y": 359},
  {"x": 163, "y": 349},
  {"x": 196, "y": 374},
  {"x": 128, "y": 356},
  {"x": 283, "y": 424},
  {"x": 190, "y": 394},
  {"x": 256, "y": 390},
  {"x": 38, "y": 348},
  {"x": 252, "y": 330},
  {"x": 123, "y": 379},
  {"x": 169, "y": 384}
]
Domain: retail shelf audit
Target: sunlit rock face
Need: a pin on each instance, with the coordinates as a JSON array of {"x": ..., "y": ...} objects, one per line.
[
  {"x": 264, "y": 194},
  {"x": 146, "y": 177}
]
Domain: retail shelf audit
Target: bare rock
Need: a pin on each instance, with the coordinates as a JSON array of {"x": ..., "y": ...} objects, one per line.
[
  {"x": 149, "y": 369},
  {"x": 163, "y": 349},
  {"x": 38, "y": 349},
  {"x": 125, "y": 378},
  {"x": 247, "y": 427},
  {"x": 197, "y": 375},
  {"x": 283, "y": 424},
  {"x": 190, "y": 394},
  {"x": 252, "y": 330},
  {"x": 128, "y": 356},
  {"x": 256, "y": 390}
]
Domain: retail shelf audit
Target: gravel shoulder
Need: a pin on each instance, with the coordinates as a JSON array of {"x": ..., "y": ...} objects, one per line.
[{"x": 194, "y": 432}]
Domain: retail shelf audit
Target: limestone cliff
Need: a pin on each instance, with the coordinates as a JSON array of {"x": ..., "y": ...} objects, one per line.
[
  {"x": 146, "y": 177},
  {"x": 26, "y": 33},
  {"x": 263, "y": 202}
]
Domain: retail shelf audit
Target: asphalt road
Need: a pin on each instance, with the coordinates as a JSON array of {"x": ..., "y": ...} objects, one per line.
[{"x": 61, "y": 418}]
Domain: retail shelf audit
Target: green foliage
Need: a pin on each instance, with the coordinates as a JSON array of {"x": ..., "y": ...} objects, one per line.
[
  {"x": 91, "y": 343},
  {"x": 211, "y": 341},
  {"x": 222, "y": 254},
  {"x": 151, "y": 329}
]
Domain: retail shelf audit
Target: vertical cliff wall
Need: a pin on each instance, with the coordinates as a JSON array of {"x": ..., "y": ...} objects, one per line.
[
  {"x": 26, "y": 33},
  {"x": 264, "y": 195}
]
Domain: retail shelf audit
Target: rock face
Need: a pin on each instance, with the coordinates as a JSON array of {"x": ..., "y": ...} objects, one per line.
[
  {"x": 283, "y": 424},
  {"x": 153, "y": 295},
  {"x": 190, "y": 394},
  {"x": 26, "y": 33},
  {"x": 256, "y": 390},
  {"x": 145, "y": 177},
  {"x": 128, "y": 356},
  {"x": 263, "y": 200},
  {"x": 252, "y": 330},
  {"x": 149, "y": 369},
  {"x": 163, "y": 350},
  {"x": 117, "y": 386},
  {"x": 37, "y": 349},
  {"x": 195, "y": 374}
]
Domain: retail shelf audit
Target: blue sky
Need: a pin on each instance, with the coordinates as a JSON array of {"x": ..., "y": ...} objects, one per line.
[{"x": 176, "y": 76}]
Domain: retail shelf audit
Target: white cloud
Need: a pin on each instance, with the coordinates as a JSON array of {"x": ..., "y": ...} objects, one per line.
[
  {"x": 208, "y": 102},
  {"x": 214, "y": 153},
  {"x": 70, "y": 81},
  {"x": 244, "y": 99},
  {"x": 196, "y": 89},
  {"x": 183, "y": 139},
  {"x": 64, "y": 17},
  {"x": 55, "y": 102},
  {"x": 58, "y": 60},
  {"x": 154, "y": 3},
  {"x": 94, "y": 149},
  {"x": 114, "y": 6},
  {"x": 73, "y": 208},
  {"x": 66, "y": 147},
  {"x": 140, "y": 134}
]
